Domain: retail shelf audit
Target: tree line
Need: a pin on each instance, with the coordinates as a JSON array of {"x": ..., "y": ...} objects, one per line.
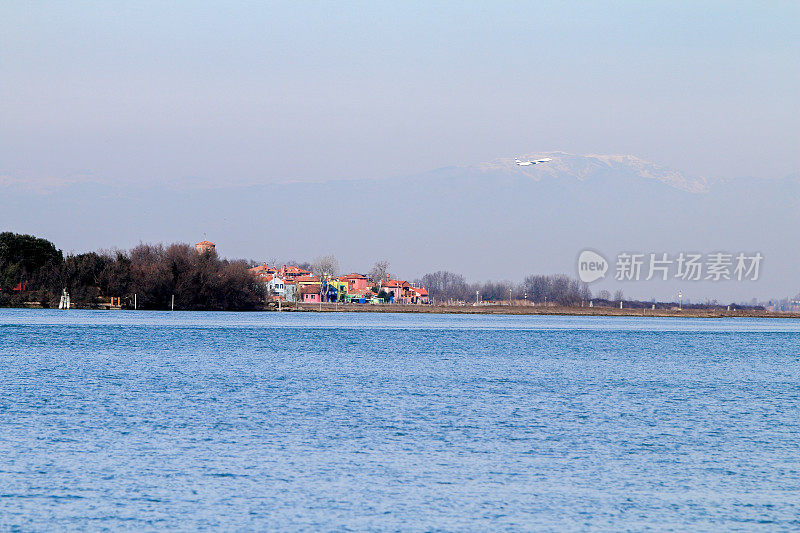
[
  {"x": 33, "y": 269},
  {"x": 557, "y": 288}
]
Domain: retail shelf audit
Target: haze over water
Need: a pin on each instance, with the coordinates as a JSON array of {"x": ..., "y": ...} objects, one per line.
[{"x": 269, "y": 421}]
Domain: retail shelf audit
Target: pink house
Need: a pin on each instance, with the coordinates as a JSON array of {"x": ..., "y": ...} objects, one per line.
[
  {"x": 310, "y": 294},
  {"x": 357, "y": 283}
]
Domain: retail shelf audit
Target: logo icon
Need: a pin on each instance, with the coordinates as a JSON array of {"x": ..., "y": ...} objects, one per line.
[{"x": 591, "y": 266}]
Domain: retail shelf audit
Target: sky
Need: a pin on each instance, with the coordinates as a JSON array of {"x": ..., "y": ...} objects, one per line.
[{"x": 261, "y": 92}]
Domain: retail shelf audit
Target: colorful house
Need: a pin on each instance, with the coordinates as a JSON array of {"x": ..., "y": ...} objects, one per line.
[
  {"x": 306, "y": 280},
  {"x": 403, "y": 292},
  {"x": 290, "y": 291},
  {"x": 362, "y": 297},
  {"x": 335, "y": 290},
  {"x": 420, "y": 295},
  {"x": 398, "y": 290},
  {"x": 291, "y": 283},
  {"x": 310, "y": 294},
  {"x": 356, "y": 282},
  {"x": 267, "y": 276},
  {"x": 276, "y": 286},
  {"x": 329, "y": 289}
]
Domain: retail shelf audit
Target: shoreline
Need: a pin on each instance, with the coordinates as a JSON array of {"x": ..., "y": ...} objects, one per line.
[
  {"x": 486, "y": 310},
  {"x": 531, "y": 310}
]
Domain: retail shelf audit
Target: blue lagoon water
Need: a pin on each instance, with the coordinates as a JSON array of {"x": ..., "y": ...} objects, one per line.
[{"x": 350, "y": 422}]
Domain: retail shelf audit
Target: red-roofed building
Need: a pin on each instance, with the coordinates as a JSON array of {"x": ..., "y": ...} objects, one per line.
[
  {"x": 356, "y": 282},
  {"x": 292, "y": 272},
  {"x": 420, "y": 295},
  {"x": 269, "y": 276},
  {"x": 310, "y": 294},
  {"x": 400, "y": 291},
  {"x": 403, "y": 292},
  {"x": 262, "y": 271}
]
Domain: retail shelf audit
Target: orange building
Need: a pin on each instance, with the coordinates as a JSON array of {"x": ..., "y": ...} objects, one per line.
[
  {"x": 399, "y": 290},
  {"x": 292, "y": 272},
  {"x": 420, "y": 295},
  {"x": 205, "y": 246},
  {"x": 403, "y": 292},
  {"x": 263, "y": 271}
]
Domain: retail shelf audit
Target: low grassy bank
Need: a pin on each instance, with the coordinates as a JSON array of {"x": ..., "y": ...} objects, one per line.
[{"x": 534, "y": 310}]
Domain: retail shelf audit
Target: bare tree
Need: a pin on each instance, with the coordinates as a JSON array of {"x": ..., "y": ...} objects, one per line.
[
  {"x": 379, "y": 271},
  {"x": 538, "y": 287},
  {"x": 326, "y": 264},
  {"x": 619, "y": 295},
  {"x": 444, "y": 285},
  {"x": 586, "y": 292},
  {"x": 604, "y": 295},
  {"x": 496, "y": 290},
  {"x": 558, "y": 288}
]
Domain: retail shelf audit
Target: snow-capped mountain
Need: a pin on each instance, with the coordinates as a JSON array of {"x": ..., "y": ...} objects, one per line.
[
  {"x": 587, "y": 167},
  {"x": 488, "y": 221}
]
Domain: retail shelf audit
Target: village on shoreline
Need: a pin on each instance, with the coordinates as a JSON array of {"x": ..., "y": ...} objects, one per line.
[
  {"x": 295, "y": 284},
  {"x": 35, "y": 274},
  {"x": 350, "y": 292},
  {"x": 291, "y": 288}
]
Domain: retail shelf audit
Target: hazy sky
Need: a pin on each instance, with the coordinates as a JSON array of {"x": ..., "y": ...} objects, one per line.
[{"x": 268, "y": 91}]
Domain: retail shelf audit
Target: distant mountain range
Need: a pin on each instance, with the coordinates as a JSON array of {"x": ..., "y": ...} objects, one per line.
[
  {"x": 494, "y": 220},
  {"x": 589, "y": 167}
]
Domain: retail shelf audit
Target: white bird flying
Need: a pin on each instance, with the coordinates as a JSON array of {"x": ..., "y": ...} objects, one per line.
[{"x": 534, "y": 162}]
